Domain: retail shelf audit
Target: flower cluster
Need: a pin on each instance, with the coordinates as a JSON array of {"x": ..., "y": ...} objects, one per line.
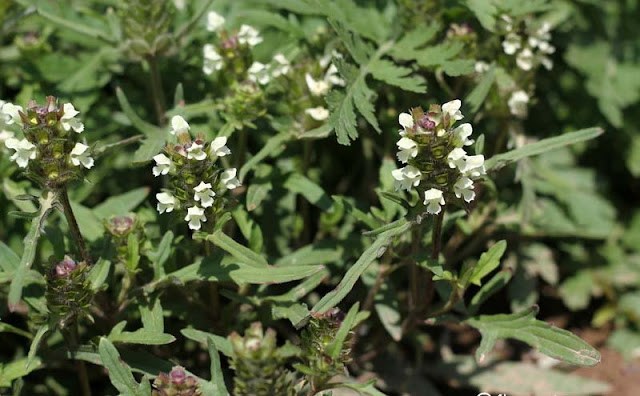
[
  {"x": 176, "y": 383},
  {"x": 320, "y": 87},
  {"x": 68, "y": 291},
  {"x": 433, "y": 150},
  {"x": 50, "y": 150},
  {"x": 197, "y": 179},
  {"x": 531, "y": 45},
  {"x": 233, "y": 52}
]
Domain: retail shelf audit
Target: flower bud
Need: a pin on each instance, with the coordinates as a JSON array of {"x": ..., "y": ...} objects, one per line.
[{"x": 177, "y": 383}]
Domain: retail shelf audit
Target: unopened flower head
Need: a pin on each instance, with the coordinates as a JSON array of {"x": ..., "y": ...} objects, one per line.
[
  {"x": 197, "y": 181},
  {"x": 436, "y": 164}
]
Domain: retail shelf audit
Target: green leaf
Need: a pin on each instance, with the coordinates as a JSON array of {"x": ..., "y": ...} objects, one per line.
[
  {"x": 98, "y": 273},
  {"x": 119, "y": 373},
  {"x": 151, "y": 316},
  {"x": 489, "y": 261},
  {"x": 242, "y": 253},
  {"x": 335, "y": 347},
  {"x": 217, "y": 378},
  {"x": 142, "y": 336},
  {"x": 376, "y": 250},
  {"x": 35, "y": 343},
  {"x": 399, "y": 76},
  {"x": 495, "y": 284},
  {"x": 9, "y": 260},
  {"x": 523, "y": 326},
  {"x": 121, "y": 205},
  {"x": 367, "y": 388},
  {"x": 273, "y": 146},
  {"x": 295, "y": 313},
  {"x": 542, "y": 146},
  {"x": 17, "y": 368},
  {"x": 75, "y": 25},
  {"x": 161, "y": 255},
  {"x": 385, "y": 302},
  {"x": 91, "y": 226},
  {"x": 485, "y": 11},
  {"x": 222, "y": 344},
  {"x": 7, "y": 328},
  {"x": 310, "y": 190},
  {"x": 30, "y": 246},
  {"x": 480, "y": 92}
]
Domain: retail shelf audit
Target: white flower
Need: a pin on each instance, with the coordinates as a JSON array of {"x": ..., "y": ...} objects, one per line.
[
  {"x": 179, "y": 125},
  {"x": 407, "y": 149},
  {"x": 434, "y": 200},
  {"x": 461, "y": 135},
  {"x": 229, "y": 179},
  {"x": 212, "y": 59},
  {"x": 249, "y": 35},
  {"x": 332, "y": 78},
  {"x": 453, "y": 109},
  {"x": 204, "y": 194},
  {"x": 511, "y": 44},
  {"x": 317, "y": 88},
  {"x": 166, "y": 202},
  {"x": 5, "y": 135},
  {"x": 481, "y": 67},
  {"x": 405, "y": 120},
  {"x": 282, "y": 65},
  {"x": 524, "y": 59},
  {"x": 508, "y": 22},
  {"x": 163, "y": 165},
  {"x": 474, "y": 166},
  {"x": 179, "y": 4},
  {"x": 79, "y": 155},
  {"x": 456, "y": 159},
  {"x": 214, "y": 21},
  {"x": 318, "y": 113},
  {"x": 547, "y": 62},
  {"x": 69, "y": 120},
  {"x": 218, "y": 147},
  {"x": 195, "y": 151},
  {"x": 195, "y": 216},
  {"x": 258, "y": 73},
  {"x": 518, "y": 103},
  {"x": 10, "y": 113},
  {"x": 464, "y": 188},
  {"x": 25, "y": 151},
  {"x": 406, "y": 177}
]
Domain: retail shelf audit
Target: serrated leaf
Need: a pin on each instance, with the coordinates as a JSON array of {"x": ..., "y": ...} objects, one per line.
[
  {"x": 523, "y": 326},
  {"x": 542, "y": 146},
  {"x": 119, "y": 373},
  {"x": 376, "y": 250},
  {"x": 151, "y": 316},
  {"x": 399, "y": 76}
]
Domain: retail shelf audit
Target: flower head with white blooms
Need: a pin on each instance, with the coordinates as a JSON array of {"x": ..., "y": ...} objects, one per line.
[
  {"x": 436, "y": 164},
  {"x": 197, "y": 181}
]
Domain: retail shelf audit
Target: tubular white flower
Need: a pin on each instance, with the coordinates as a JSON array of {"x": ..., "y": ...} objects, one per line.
[
  {"x": 166, "y": 202},
  {"x": 433, "y": 199},
  {"x": 547, "y": 62},
  {"x": 5, "y": 135},
  {"x": 179, "y": 125},
  {"x": 461, "y": 135},
  {"x": 69, "y": 120},
  {"x": 179, "y": 4},
  {"x": 214, "y": 21},
  {"x": 474, "y": 166},
  {"x": 518, "y": 103},
  {"x": 331, "y": 76},
  {"x": 195, "y": 216},
  {"x": 456, "y": 159},
  {"x": 405, "y": 120},
  {"x": 204, "y": 194},
  {"x": 258, "y": 73},
  {"x": 407, "y": 149},
  {"x": 318, "y": 113},
  {"x": 249, "y": 35},
  {"x": 282, "y": 65},
  {"x": 453, "y": 109},
  {"x": 317, "y": 88},
  {"x": 212, "y": 59},
  {"x": 25, "y": 151},
  {"x": 406, "y": 177},
  {"x": 10, "y": 113},
  {"x": 464, "y": 189},
  {"x": 481, "y": 67},
  {"x": 229, "y": 179},
  {"x": 163, "y": 165},
  {"x": 79, "y": 155},
  {"x": 218, "y": 148},
  {"x": 511, "y": 44},
  {"x": 524, "y": 59},
  {"x": 195, "y": 151}
]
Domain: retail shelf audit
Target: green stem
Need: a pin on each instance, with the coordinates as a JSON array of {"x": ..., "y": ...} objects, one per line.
[
  {"x": 73, "y": 225},
  {"x": 83, "y": 377},
  {"x": 214, "y": 294},
  {"x": 436, "y": 237},
  {"x": 157, "y": 92}
]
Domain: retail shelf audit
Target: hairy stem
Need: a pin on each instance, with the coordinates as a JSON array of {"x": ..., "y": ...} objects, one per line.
[
  {"x": 157, "y": 92},
  {"x": 83, "y": 377},
  {"x": 73, "y": 225}
]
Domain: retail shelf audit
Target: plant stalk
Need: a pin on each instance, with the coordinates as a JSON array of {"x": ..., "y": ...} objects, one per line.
[
  {"x": 73, "y": 225},
  {"x": 157, "y": 92},
  {"x": 83, "y": 377}
]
